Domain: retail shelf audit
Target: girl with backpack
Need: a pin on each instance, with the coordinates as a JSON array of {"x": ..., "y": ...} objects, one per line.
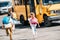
[
  {"x": 33, "y": 23},
  {"x": 8, "y": 25}
]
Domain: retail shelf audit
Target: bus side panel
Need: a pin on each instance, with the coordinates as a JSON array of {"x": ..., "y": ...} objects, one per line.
[
  {"x": 20, "y": 10},
  {"x": 28, "y": 10},
  {"x": 38, "y": 14}
]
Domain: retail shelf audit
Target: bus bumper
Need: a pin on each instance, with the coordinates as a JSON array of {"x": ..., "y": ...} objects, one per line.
[{"x": 54, "y": 18}]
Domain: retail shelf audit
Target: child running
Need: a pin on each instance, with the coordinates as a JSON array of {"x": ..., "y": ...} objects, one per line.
[
  {"x": 33, "y": 23},
  {"x": 7, "y": 23}
]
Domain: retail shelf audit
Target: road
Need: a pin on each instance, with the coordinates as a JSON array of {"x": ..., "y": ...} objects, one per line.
[
  {"x": 25, "y": 33},
  {"x": 47, "y": 33}
]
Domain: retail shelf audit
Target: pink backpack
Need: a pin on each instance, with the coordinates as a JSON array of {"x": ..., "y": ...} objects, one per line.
[{"x": 34, "y": 21}]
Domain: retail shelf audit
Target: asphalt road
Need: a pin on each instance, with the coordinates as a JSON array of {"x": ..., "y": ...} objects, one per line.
[
  {"x": 47, "y": 33},
  {"x": 25, "y": 33}
]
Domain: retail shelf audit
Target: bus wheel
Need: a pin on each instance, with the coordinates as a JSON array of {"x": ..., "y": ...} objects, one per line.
[
  {"x": 22, "y": 19},
  {"x": 47, "y": 23}
]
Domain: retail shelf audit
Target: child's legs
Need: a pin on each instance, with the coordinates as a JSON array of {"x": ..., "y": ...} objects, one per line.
[
  {"x": 10, "y": 33},
  {"x": 33, "y": 26},
  {"x": 7, "y": 31},
  {"x": 13, "y": 28}
]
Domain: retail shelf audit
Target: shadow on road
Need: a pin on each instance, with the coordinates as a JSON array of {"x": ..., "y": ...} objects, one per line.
[
  {"x": 42, "y": 26},
  {"x": 19, "y": 26},
  {"x": 53, "y": 25},
  {"x": 0, "y": 27}
]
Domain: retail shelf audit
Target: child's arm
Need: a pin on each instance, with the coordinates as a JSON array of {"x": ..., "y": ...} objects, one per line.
[
  {"x": 38, "y": 23},
  {"x": 2, "y": 26}
]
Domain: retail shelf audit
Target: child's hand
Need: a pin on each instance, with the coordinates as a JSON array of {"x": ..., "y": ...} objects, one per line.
[
  {"x": 2, "y": 27},
  {"x": 38, "y": 25}
]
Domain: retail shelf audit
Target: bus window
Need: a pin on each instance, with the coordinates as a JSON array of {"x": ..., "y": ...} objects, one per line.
[
  {"x": 18, "y": 2},
  {"x": 51, "y": 2},
  {"x": 37, "y": 1},
  {"x": 27, "y": 2}
]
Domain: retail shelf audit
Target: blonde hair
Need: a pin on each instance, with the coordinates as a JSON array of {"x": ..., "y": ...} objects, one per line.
[
  {"x": 32, "y": 13},
  {"x": 10, "y": 9}
]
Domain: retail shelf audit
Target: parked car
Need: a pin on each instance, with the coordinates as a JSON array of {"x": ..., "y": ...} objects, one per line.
[{"x": 5, "y": 5}]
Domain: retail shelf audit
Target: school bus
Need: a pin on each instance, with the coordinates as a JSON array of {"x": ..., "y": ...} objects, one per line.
[{"x": 45, "y": 10}]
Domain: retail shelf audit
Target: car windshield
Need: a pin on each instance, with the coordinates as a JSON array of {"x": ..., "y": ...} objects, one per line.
[
  {"x": 3, "y": 4},
  {"x": 51, "y": 1}
]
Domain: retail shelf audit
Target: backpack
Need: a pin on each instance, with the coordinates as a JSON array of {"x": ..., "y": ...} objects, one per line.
[
  {"x": 34, "y": 21},
  {"x": 6, "y": 20}
]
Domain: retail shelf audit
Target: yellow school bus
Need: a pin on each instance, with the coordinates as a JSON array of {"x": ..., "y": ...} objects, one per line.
[{"x": 45, "y": 10}]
